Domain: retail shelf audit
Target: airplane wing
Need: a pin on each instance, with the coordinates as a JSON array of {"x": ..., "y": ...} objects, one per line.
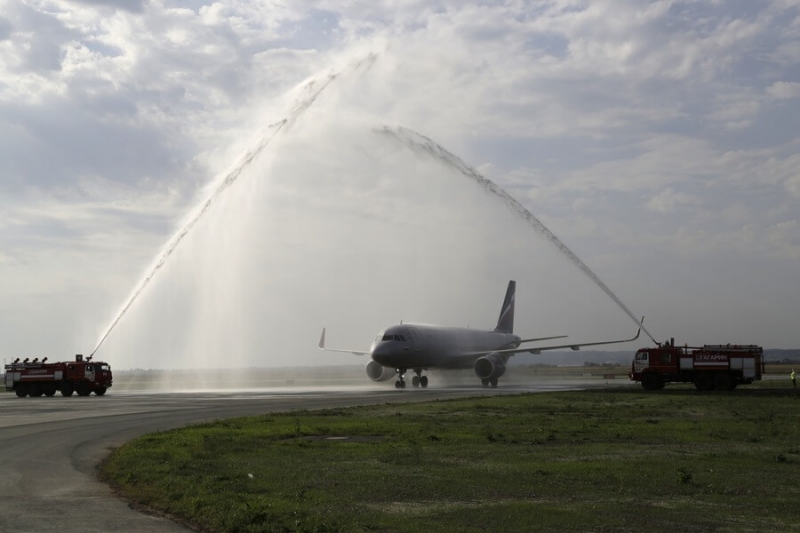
[
  {"x": 540, "y": 349},
  {"x": 544, "y": 338},
  {"x": 322, "y": 347}
]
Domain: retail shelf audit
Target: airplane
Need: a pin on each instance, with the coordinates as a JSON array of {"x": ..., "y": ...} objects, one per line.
[{"x": 417, "y": 347}]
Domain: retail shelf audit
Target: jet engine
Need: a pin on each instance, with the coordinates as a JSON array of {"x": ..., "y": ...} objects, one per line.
[
  {"x": 490, "y": 367},
  {"x": 377, "y": 372}
]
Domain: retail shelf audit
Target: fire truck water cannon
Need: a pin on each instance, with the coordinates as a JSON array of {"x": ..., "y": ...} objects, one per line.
[
  {"x": 709, "y": 367},
  {"x": 40, "y": 378}
]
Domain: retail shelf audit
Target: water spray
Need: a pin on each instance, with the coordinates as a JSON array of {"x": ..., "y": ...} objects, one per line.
[
  {"x": 311, "y": 89},
  {"x": 423, "y": 144}
]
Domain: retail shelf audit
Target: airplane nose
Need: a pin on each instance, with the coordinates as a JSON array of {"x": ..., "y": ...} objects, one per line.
[{"x": 383, "y": 354}]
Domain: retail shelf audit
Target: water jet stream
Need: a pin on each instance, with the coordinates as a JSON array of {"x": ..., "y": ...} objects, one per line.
[
  {"x": 415, "y": 141},
  {"x": 420, "y": 143},
  {"x": 313, "y": 90}
]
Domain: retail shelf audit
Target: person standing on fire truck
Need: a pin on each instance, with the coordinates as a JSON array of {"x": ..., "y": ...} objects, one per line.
[{"x": 794, "y": 383}]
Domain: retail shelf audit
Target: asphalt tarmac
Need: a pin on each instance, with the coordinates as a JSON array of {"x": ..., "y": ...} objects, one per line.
[{"x": 50, "y": 447}]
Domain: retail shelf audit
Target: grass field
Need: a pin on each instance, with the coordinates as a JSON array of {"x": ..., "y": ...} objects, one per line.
[{"x": 600, "y": 460}]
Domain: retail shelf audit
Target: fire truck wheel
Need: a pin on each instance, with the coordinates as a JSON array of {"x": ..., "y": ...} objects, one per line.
[
  {"x": 35, "y": 391},
  {"x": 21, "y": 390},
  {"x": 651, "y": 381},
  {"x": 100, "y": 391},
  {"x": 66, "y": 389},
  {"x": 724, "y": 381},
  {"x": 50, "y": 391},
  {"x": 84, "y": 389},
  {"x": 704, "y": 382}
]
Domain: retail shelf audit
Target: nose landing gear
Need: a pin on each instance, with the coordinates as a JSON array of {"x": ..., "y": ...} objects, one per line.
[
  {"x": 418, "y": 380},
  {"x": 401, "y": 383}
]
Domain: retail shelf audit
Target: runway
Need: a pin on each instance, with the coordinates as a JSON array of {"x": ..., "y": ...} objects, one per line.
[{"x": 50, "y": 447}]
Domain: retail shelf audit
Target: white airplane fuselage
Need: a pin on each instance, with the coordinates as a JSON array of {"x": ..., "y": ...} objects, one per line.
[
  {"x": 415, "y": 346},
  {"x": 398, "y": 349}
]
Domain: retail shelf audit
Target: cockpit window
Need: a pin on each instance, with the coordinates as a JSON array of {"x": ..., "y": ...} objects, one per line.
[{"x": 393, "y": 338}]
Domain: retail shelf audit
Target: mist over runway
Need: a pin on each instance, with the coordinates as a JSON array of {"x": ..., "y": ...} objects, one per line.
[{"x": 50, "y": 447}]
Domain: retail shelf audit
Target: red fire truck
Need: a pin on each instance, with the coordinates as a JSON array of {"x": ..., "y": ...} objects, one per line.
[
  {"x": 718, "y": 366},
  {"x": 37, "y": 378}
]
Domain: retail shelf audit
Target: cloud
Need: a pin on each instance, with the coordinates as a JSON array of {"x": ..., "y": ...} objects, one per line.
[
  {"x": 625, "y": 125},
  {"x": 793, "y": 185},
  {"x": 82, "y": 218},
  {"x": 784, "y": 90},
  {"x": 133, "y": 6},
  {"x": 5, "y": 28},
  {"x": 668, "y": 201},
  {"x": 784, "y": 236}
]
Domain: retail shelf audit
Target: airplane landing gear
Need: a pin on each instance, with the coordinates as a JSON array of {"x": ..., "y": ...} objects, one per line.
[
  {"x": 401, "y": 383},
  {"x": 486, "y": 382},
  {"x": 419, "y": 380}
]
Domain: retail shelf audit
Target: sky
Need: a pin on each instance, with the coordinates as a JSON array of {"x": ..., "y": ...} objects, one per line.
[{"x": 658, "y": 140}]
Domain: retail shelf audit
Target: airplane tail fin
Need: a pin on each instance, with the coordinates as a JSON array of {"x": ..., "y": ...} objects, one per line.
[{"x": 505, "y": 324}]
